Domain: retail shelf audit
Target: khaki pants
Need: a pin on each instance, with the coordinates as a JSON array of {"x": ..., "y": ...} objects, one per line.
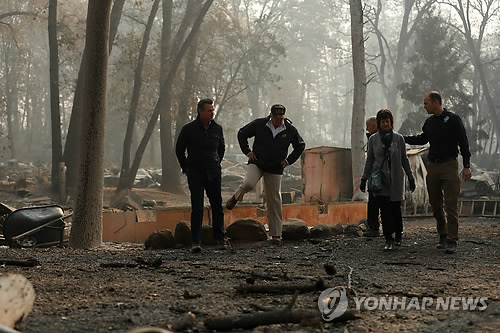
[
  {"x": 443, "y": 185},
  {"x": 272, "y": 187}
]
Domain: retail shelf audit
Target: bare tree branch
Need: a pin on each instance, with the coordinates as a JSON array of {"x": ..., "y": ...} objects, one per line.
[{"x": 4, "y": 15}]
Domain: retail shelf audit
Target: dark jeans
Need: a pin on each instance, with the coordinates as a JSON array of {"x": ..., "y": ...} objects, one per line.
[
  {"x": 198, "y": 183},
  {"x": 372, "y": 214},
  {"x": 392, "y": 220}
]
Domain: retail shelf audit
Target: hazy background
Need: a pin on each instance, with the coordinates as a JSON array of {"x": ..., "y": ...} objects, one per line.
[{"x": 249, "y": 55}]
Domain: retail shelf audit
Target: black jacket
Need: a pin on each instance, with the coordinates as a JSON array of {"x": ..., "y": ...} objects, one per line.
[
  {"x": 445, "y": 133},
  {"x": 271, "y": 151},
  {"x": 205, "y": 148}
]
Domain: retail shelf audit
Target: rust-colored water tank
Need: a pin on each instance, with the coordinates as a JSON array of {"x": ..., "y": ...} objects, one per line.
[{"x": 327, "y": 174}]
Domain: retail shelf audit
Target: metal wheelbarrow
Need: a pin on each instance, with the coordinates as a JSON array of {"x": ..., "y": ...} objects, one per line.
[{"x": 35, "y": 226}]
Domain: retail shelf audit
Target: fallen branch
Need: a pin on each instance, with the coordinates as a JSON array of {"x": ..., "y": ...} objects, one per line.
[
  {"x": 281, "y": 289},
  {"x": 261, "y": 307},
  {"x": 284, "y": 316},
  {"x": 349, "y": 282},
  {"x": 401, "y": 263},
  {"x": 476, "y": 242},
  {"x": 349, "y": 278},
  {"x": 264, "y": 276},
  {"x": 406, "y": 294},
  {"x": 155, "y": 262},
  {"x": 292, "y": 302},
  {"x": 117, "y": 265},
  {"x": 23, "y": 263},
  {"x": 270, "y": 317},
  {"x": 140, "y": 262},
  {"x": 436, "y": 268}
]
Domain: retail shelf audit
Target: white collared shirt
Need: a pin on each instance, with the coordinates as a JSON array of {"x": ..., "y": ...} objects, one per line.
[{"x": 275, "y": 130}]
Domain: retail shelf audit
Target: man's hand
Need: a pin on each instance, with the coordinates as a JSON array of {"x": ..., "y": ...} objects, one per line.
[
  {"x": 466, "y": 174},
  {"x": 284, "y": 163},
  {"x": 251, "y": 156},
  {"x": 412, "y": 184},
  {"x": 362, "y": 186}
]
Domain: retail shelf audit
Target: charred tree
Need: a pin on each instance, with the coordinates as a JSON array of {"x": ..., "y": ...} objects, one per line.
[
  {"x": 55, "y": 113},
  {"x": 359, "y": 96},
  {"x": 86, "y": 230},
  {"x": 72, "y": 147}
]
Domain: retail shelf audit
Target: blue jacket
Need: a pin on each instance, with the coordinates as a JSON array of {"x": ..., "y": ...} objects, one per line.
[{"x": 271, "y": 151}]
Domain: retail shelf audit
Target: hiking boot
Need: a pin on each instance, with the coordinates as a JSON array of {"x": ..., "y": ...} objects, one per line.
[
  {"x": 231, "y": 203},
  {"x": 196, "y": 248},
  {"x": 397, "y": 239},
  {"x": 371, "y": 233},
  {"x": 389, "y": 245},
  {"x": 451, "y": 247},
  {"x": 442, "y": 242}
]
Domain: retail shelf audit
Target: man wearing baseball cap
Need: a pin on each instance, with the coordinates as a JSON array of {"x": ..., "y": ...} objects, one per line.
[{"x": 268, "y": 158}]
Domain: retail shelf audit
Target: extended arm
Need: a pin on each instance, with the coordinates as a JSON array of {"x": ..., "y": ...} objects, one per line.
[{"x": 420, "y": 139}]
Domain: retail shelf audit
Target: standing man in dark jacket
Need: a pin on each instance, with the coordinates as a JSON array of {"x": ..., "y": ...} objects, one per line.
[
  {"x": 267, "y": 158},
  {"x": 204, "y": 141},
  {"x": 445, "y": 132}
]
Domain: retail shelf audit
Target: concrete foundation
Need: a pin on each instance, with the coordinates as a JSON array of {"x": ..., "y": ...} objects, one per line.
[{"x": 136, "y": 226}]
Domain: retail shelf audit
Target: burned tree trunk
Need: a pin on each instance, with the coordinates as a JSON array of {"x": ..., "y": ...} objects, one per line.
[
  {"x": 86, "y": 230},
  {"x": 359, "y": 96}
]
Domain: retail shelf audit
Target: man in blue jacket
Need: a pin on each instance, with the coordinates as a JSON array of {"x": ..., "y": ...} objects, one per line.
[
  {"x": 268, "y": 158},
  {"x": 203, "y": 139}
]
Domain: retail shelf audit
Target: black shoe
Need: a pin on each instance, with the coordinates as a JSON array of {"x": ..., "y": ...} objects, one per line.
[
  {"x": 371, "y": 233},
  {"x": 397, "y": 239},
  {"x": 389, "y": 245},
  {"x": 275, "y": 241},
  {"x": 231, "y": 203},
  {"x": 451, "y": 247},
  {"x": 196, "y": 248},
  {"x": 442, "y": 242},
  {"x": 223, "y": 244}
]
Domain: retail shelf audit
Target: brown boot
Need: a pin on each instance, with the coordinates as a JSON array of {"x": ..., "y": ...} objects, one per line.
[{"x": 231, "y": 203}]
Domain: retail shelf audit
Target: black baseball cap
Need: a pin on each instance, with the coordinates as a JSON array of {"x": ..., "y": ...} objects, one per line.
[{"x": 278, "y": 111}]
